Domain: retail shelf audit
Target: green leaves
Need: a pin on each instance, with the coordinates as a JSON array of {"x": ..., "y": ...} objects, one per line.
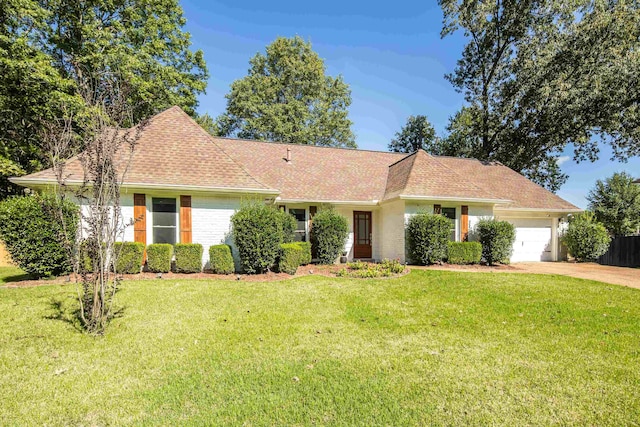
[
  {"x": 287, "y": 97},
  {"x": 541, "y": 75},
  {"x": 586, "y": 239},
  {"x": 417, "y": 134},
  {"x": 615, "y": 203},
  {"x": 49, "y": 50}
]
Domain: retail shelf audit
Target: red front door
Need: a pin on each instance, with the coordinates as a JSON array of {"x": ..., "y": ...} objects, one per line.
[{"x": 361, "y": 234}]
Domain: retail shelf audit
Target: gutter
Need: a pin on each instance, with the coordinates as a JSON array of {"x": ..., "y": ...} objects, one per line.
[
  {"x": 25, "y": 182},
  {"x": 332, "y": 202}
]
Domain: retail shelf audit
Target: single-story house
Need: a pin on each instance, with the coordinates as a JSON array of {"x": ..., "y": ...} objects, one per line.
[{"x": 184, "y": 185}]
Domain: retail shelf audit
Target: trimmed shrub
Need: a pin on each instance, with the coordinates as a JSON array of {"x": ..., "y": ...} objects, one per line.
[
  {"x": 35, "y": 237},
  {"x": 585, "y": 238},
  {"x": 497, "y": 239},
  {"x": 464, "y": 253},
  {"x": 428, "y": 238},
  {"x": 329, "y": 233},
  {"x": 221, "y": 260},
  {"x": 305, "y": 255},
  {"x": 130, "y": 256},
  {"x": 287, "y": 224},
  {"x": 290, "y": 257},
  {"x": 257, "y": 233},
  {"x": 188, "y": 257},
  {"x": 159, "y": 257}
]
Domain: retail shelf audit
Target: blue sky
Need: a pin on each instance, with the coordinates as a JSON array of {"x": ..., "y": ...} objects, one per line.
[{"x": 390, "y": 53}]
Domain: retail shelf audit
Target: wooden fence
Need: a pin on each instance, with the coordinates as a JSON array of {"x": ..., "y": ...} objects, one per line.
[{"x": 623, "y": 252}]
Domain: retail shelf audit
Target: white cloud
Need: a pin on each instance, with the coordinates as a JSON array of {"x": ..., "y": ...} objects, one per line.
[{"x": 563, "y": 159}]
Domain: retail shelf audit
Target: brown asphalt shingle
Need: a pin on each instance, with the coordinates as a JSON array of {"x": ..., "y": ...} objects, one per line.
[{"x": 174, "y": 150}]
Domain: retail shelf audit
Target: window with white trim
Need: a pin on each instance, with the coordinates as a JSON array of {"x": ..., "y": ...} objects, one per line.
[
  {"x": 165, "y": 220},
  {"x": 450, "y": 213},
  {"x": 301, "y": 224}
]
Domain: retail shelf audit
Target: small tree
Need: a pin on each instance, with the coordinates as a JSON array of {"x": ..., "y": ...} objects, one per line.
[
  {"x": 585, "y": 238},
  {"x": 497, "y": 239},
  {"x": 428, "y": 238},
  {"x": 257, "y": 233},
  {"x": 33, "y": 235},
  {"x": 329, "y": 233},
  {"x": 107, "y": 146},
  {"x": 616, "y": 204}
]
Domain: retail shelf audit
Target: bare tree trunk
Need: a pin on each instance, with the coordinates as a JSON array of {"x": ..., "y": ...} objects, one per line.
[{"x": 107, "y": 148}]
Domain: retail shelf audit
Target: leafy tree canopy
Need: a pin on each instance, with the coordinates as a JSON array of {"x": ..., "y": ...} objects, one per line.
[
  {"x": 539, "y": 76},
  {"x": 416, "y": 134},
  {"x": 287, "y": 97},
  {"x": 49, "y": 47},
  {"x": 615, "y": 203}
]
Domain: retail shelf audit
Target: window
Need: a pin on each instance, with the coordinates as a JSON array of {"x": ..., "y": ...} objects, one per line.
[
  {"x": 301, "y": 220},
  {"x": 165, "y": 220},
  {"x": 450, "y": 213}
]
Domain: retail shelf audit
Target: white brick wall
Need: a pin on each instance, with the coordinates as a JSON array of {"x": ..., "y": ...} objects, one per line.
[
  {"x": 392, "y": 230},
  {"x": 211, "y": 222}
]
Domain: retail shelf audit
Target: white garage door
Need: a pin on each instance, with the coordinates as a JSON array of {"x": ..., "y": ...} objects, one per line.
[{"x": 533, "y": 240}]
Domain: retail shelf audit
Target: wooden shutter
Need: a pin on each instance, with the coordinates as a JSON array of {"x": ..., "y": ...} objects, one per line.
[
  {"x": 437, "y": 209},
  {"x": 185, "y": 219},
  {"x": 464, "y": 223},
  {"x": 140, "y": 217},
  {"x": 313, "y": 210}
]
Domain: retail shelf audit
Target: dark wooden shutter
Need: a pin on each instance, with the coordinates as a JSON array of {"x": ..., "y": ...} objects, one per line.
[
  {"x": 140, "y": 224},
  {"x": 437, "y": 209},
  {"x": 464, "y": 223},
  {"x": 313, "y": 210},
  {"x": 185, "y": 219},
  {"x": 140, "y": 217}
]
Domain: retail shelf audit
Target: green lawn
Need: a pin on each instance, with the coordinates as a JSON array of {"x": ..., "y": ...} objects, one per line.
[{"x": 430, "y": 348}]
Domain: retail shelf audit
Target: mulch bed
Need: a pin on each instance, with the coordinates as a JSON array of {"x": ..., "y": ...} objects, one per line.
[{"x": 320, "y": 270}]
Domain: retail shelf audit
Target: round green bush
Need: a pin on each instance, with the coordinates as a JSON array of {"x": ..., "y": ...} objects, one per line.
[
  {"x": 497, "y": 239},
  {"x": 129, "y": 257},
  {"x": 585, "y": 238},
  {"x": 38, "y": 240},
  {"x": 329, "y": 232},
  {"x": 257, "y": 233},
  {"x": 428, "y": 238}
]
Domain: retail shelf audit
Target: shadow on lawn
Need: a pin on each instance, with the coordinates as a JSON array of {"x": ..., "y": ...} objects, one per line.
[
  {"x": 67, "y": 310},
  {"x": 16, "y": 278}
]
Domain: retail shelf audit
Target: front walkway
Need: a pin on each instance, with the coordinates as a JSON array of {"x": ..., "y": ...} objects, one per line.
[{"x": 591, "y": 271}]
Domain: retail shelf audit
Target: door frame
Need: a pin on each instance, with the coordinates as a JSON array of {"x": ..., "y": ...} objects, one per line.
[{"x": 367, "y": 248}]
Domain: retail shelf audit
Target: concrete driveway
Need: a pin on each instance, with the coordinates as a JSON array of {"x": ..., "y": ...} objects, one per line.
[
  {"x": 591, "y": 271},
  {"x": 603, "y": 273}
]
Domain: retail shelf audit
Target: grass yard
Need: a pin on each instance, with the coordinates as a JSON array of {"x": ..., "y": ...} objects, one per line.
[{"x": 432, "y": 347}]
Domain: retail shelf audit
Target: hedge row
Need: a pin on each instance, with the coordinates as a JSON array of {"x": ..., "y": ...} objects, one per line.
[
  {"x": 464, "y": 253},
  {"x": 221, "y": 260}
]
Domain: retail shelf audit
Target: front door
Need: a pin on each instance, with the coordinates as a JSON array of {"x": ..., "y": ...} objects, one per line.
[{"x": 361, "y": 234}]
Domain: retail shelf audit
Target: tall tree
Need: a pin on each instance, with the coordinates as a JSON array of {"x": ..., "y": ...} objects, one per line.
[
  {"x": 416, "y": 134},
  {"x": 47, "y": 47},
  {"x": 616, "y": 204},
  {"x": 287, "y": 97},
  {"x": 542, "y": 75}
]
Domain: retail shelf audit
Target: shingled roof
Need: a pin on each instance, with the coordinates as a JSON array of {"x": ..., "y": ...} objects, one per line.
[
  {"x": 175, "y": 152},
  {"x": 172, "y": 151}
]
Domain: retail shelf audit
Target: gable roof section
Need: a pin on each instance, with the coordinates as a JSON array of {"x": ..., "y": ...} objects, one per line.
[
  {"x": 508, "y": 184},
  {"x": 173, "y": 151},
  {"x": 421, "y": 175},
  {"x": 320, "y": 174}
]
